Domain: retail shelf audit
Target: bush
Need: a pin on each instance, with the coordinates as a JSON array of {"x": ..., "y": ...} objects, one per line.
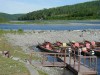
[{"x": 20, "y": 30}]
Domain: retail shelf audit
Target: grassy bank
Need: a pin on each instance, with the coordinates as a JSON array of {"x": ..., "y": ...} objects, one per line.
[
  {"x": 38, "y": 22},
  {"x": 13, "y": 67},
  {"x": 7, "y": 65},
  {"x": 19, "y": 31},
  {"x": 49, "y": 21}
]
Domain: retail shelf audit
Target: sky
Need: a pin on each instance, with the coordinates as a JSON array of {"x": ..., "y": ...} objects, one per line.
[{"x": 26, "y": 6}]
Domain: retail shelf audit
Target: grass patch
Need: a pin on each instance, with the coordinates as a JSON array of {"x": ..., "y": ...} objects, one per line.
[
  {"x": 15, "y": 51},
  {"x": 11, "y": 67},
  {"x": 19, "y": 31},
  {"x": 41, "y": 72}
]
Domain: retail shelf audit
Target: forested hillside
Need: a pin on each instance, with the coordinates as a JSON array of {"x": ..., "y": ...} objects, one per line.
[
  {"x": 6, "y": 17},
  {"x": 87, "y": 10}
]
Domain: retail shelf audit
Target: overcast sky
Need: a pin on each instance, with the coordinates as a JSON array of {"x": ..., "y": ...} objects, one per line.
[{"x": 25, "y": 6}]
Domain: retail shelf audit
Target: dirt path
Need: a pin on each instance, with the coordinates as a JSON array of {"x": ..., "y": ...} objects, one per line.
[{"x": 31, "y": 69}]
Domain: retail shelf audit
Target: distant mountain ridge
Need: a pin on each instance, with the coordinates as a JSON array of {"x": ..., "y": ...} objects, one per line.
[
  {"x": 87, "y": 10},
  {"x": 9, "y": 16}
]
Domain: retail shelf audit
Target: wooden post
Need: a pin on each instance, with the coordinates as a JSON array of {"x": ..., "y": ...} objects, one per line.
[
  {"x": 30, "y": 60},
  {"x": 96, "y": 64},
  {"x": 79, "y": 59},
  {"x": 84, "y": 60},
  {"x": 70, "y": 58},
  {"x": 90, "y": 63},
  {"x": 65, "y": 55},
  {"x": 54, "y": 59},
  {"x": 74, "y": 58},
  {"x": 43, "y": 60}
]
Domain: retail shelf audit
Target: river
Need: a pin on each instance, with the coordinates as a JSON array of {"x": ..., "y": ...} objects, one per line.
[{"x": 68, "y": 26}]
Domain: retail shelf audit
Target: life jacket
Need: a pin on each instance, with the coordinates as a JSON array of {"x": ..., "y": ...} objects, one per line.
[
  {"x": 84, "y": 49},
  {"x": 77, "y": 44},
  {"x": 88, "y": 45},
  {"x": 47, "y": 46},
  {"x": 93, "y": 43},
  {"x": 58, "y": 43},
  {"x": 73, "y": 45}
]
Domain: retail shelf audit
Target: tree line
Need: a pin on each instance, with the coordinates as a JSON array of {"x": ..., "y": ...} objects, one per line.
[{"x": 87, "y": 10}]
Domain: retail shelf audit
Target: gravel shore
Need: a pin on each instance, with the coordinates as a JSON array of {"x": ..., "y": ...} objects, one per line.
[{"x": 31, "y": 38}]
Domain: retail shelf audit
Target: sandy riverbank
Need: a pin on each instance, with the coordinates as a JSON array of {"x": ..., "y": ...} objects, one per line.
[{"x": 30, "y": 38}]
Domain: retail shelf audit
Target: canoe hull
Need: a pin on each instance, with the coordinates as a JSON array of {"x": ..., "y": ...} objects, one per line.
[
  {"x": 83, "y": 53},
  {"x": 46, "y": 50},
  {"x": 97, "y": 53}
]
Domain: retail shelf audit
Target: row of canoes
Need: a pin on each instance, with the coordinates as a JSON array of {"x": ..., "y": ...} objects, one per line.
[
  {"x": 49, "y": 47},
  {"x": 56, "y": 48}
]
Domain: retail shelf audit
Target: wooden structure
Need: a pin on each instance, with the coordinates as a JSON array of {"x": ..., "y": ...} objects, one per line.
[
  {"x": 80, "y": 65},
  {"x": 44, "y": 56},
  {"x": 44, "y": 59}
]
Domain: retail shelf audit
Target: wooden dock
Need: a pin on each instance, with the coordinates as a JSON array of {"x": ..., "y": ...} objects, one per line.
[
  {"x": 44, "y": 60},
  {"x": 80, "y": 68},
  {"x": 76, "y": 64}
]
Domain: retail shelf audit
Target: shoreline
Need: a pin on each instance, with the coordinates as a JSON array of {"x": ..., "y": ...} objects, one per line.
[
  {"x": 50, "y": 22},
  {"x": 68, "y": 24}
]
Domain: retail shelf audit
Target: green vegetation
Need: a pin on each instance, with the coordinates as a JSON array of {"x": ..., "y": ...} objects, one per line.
[
  {"x": 42, "y": 73},
  {"x": 41, "y": 22},
  {"x": 11, "y": 67},
  {"x": 19, "y": 31},
  {"x": 6, "y": 17},
  {"x": 7, "y": 65},
  {"x": 87, "y": 10},
  {"x": 15, "y": 51},
  {"x": 2, "y": 20},
  {"x": 82, "y": 11}
]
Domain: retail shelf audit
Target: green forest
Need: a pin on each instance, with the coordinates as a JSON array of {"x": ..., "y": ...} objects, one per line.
[
  {"x": 7, "y": 17},
  {"x": 81, "y": 11}
]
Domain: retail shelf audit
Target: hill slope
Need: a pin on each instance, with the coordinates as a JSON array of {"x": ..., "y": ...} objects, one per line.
[
  {"x": 4, "y": 16},
  {"x": 87, "y": 10}
]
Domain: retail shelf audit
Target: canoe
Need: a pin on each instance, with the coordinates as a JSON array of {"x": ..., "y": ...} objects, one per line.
[
  {"x": 47, "y": 50},
  {"x": 97, "y": 44},
  {"x": 97, "y": 51},
  {"x": 83, "y": 53}
]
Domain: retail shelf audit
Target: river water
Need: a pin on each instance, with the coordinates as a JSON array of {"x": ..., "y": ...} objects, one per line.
[{"x": 47, "y": 27}]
